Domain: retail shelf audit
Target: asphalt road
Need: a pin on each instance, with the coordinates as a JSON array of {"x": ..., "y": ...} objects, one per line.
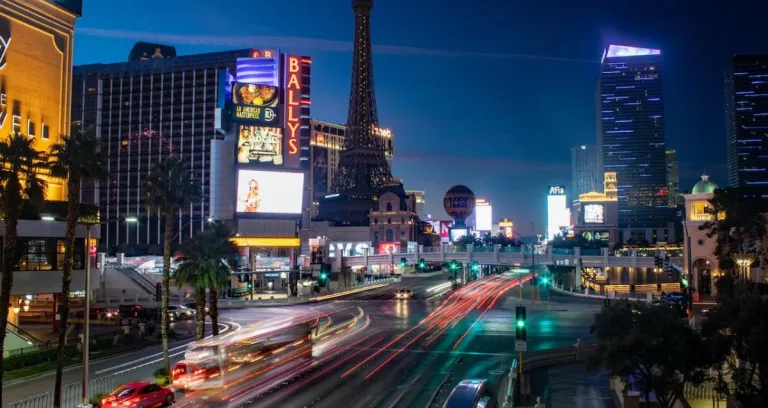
[{"x": 402, "y": 353}]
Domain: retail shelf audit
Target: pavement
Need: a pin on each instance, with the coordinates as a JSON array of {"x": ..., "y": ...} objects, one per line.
[{"x": 406, "y": 353}]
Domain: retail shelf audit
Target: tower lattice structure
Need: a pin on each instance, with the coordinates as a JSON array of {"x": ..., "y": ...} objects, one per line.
[{"x": 363, "y": 167}]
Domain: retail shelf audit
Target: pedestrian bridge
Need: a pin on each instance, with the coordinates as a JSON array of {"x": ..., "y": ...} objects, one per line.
[{"x": 511, "y": 256}]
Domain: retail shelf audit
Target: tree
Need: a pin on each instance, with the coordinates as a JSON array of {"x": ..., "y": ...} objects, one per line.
[
  {"x": 498, "y": 239},
  {"x": 653, "y": 346},
  {"x": 76, "y": 159},
  {"x": 226, "y": 253},
  {"x": 195, "y": 268},
  {"x": 738, "y": 223},
  {"x": 738, "y": 329},
  {"x": 169, "y": 186},
  {"x": 20, "y": 166},
  {"x": 465, "y": 240}
]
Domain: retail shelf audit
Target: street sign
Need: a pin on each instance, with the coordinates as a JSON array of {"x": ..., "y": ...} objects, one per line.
[{"x": 521, "y": 345}]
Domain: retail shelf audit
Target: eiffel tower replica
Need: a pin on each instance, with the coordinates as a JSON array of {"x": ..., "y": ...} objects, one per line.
[{"x": 363, "y": 169}]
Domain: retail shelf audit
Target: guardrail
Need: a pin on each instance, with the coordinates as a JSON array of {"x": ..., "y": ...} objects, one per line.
[{"x": 71, "y": 394}]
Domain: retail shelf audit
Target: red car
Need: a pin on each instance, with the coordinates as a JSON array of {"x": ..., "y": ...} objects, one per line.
[{"x": 140, "y": 394}]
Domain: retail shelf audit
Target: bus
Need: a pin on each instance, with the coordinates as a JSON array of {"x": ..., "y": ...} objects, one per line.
[{"x": 207, "y": 362}]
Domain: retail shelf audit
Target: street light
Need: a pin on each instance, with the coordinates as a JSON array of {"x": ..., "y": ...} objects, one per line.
[
  {"x": 744, "y": 261},
  {"x": 87, "y": 315},
  {"x": 131, "y": 219}
]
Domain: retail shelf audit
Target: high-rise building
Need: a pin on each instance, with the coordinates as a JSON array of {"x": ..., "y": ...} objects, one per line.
[
  {"x": 586, "y": 169},
  {"x": 631, "y": 137},
  {"x": 420, "y": 210},
  {"x": 327, "y": 141},
  {"x": 746, "y": 115},
  {"x": 239, "y": 119},
  {"x": 673, "y": 179}
]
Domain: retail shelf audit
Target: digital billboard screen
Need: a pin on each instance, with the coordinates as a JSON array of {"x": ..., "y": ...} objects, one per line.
[
  {"x": 269, "y": 192},
  {"x": 557, "y": 214},
  {"x": 457, "y": 233},
  {"x": 594, "y": 214},
  {"x": 256, "y": 104},
  {"x": 257, "y": 144},
  {"x": 483, "y": 217}
]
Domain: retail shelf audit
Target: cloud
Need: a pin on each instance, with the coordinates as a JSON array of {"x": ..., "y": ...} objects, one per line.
[{"x": 306, "y": 43}]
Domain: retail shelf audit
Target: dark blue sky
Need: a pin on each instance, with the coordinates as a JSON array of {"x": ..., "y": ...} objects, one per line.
[{"x": 491, "y": 93}]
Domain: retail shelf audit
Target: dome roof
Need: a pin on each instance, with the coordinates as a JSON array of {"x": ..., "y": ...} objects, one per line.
[{"x": 704, "y": 186}]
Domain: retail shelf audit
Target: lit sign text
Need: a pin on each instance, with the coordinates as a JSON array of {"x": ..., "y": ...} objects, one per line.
[
  {"x": 293, "y": 105},
  {"x": 556, "y": 190}
]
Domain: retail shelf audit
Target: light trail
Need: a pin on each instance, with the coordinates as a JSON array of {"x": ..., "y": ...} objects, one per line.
[{"x": 349, "y": 292}]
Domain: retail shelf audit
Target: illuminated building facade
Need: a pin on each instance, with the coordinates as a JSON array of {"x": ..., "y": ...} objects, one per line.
[
  {"x": 234, "y": 117},
  {"x": 394, "y": 221},
  {"x": 746, "y": 114},
  {"x": 507, "y": 228},
  {"x": 632, "y": 141},
  {"x": 419, "y": 195},
  {"x": 586, "y": 169},
  {"x": 483, "y": 217},
  {"x": 673, "y": 179},
  {"x": 327, "y": 141},
  {"x": 596, "y": 214}
]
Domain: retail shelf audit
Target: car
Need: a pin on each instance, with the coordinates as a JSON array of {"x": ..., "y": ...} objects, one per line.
[
  {"x": 404, "y": 294},
  {"x": 140, "y": 394},
  {"x": 180, "y": 312},
  {"x": 193, "y": 306}
]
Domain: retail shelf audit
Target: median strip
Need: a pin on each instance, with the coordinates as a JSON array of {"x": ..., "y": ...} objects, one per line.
[{"x": 348, "y": 292}]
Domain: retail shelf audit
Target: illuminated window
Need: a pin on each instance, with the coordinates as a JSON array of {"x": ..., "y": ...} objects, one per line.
[
  {"x": 699, "y": 211},
  {"x": 30, "y": 128}
]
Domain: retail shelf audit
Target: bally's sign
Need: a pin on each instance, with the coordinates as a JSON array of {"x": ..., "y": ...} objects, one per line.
[
  {"x": 348, "y": 248},
  {"x": 556, "y": 190}
]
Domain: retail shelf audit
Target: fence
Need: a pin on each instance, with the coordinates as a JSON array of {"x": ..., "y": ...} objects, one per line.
[{"x": 71, "y": 395}]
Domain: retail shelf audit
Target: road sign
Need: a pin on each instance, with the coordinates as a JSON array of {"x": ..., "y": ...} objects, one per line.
[{"x": 521, "y": 345}]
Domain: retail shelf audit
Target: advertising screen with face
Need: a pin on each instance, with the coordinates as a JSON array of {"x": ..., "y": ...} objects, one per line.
[
  {"x": 259, "y": 145},
  {"x": 269, "y": 192},
  {"x": 593, "y": 214}
]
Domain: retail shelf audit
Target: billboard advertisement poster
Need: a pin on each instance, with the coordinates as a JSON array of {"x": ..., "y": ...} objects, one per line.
[
  {"x": 594, "y": 214},
  {"x": 259, "y": 145},
  {"x": 484, "y": 217},
  {"x": 445, "y": 228},
  {"x": 320, "y": 171},
  {"x": 457, "y": 233},
  {"x": 269, "y": 192},
  {"x": 389, "y": 248},
  {"x": 256, "y": 104}
]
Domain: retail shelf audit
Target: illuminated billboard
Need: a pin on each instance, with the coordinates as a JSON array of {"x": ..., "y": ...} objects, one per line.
[
  {"x": 594, "y": 213},
  {"x": 259, "y": 145},
  {"x": 483, "y": 215},
  {"x": 269, "y": 192},
  {"x": 457, "y": 233},
  {"x": 558, "y": 215},
  {"x": 256, "y": 104}
]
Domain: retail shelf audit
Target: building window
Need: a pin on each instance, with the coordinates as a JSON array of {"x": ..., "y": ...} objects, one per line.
[
  {"x": 390, "y": 236},
  {"x": 375, "y": 220},
  {"x": 389, "y": 207},
  {"x": 376, "y": 236},
  {"x": 402, "y": 235},
  {"x": 16, "y": 124},
  {"x": 45, "y": 132},
  {"x": 389, "y": 220},
  {"x": 30, "y": 128}
]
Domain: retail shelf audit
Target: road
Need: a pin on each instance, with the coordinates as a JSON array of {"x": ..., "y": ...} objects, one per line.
[{"x": 401, "y": 353}]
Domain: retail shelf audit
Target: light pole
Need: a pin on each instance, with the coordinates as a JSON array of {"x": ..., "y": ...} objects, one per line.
[
  {"x": 744, "y": 260},
  {"x": 87, "y": 314}
]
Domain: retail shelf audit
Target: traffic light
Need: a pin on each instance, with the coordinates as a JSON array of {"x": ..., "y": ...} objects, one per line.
[
  {"x": 521, "y": 330},
  {"x": 325, "y": 270},
  {"x": 422, "y": 264},
  {"x": 475, "y": 266},
  {"x": 545, "y": 280},
  {"x": 454, "y": 265},
  {"x": 403, "y": 262}
]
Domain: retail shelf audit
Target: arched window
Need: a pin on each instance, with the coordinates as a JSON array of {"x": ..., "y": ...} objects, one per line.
[
  {"x": 376, "y": 236},
  {"x": 389, "y": 207},
  {"x": 390, "y": 236}
]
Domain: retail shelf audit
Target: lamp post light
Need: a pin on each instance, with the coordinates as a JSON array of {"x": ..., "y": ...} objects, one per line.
[
  {"x": 744, "y": 261},
  {"x": 87, "y": 314}
]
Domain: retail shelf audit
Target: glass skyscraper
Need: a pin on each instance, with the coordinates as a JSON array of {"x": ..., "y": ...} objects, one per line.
[
  {"x": 631, "y": 133},
  {"x": 746, "y": 114},
  {"x": 586, "y": 170}
]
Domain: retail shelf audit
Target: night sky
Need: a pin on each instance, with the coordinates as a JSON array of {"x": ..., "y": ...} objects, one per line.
[{"x": 490, "y": 94}]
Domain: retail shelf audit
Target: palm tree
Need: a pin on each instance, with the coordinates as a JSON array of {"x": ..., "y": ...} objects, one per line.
[
  {"x": 20, "y": 166},
  {"x": 77, "y": 159},
  {"x": 169, "y": 186},
  {"x": 196, "y": 267},
  {"x": 226, "y": 252}
]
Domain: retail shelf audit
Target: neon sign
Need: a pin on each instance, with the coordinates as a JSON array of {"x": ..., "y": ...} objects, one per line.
[{"x": 292, "y": 108}]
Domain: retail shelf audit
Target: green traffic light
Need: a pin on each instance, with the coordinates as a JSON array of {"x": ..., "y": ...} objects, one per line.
[{"x": 520, "y": 323}]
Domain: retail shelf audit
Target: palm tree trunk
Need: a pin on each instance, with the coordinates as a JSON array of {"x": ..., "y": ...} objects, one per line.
[
  {"x": 213, "y": 301},
  {"x": 200, "y": 315},
  {"x": 9, "y": 264},
  {"x": 73, "y": 187},
  {"x": 166, "y": 289}
]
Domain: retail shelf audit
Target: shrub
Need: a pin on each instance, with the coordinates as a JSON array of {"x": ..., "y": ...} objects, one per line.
[
  {"x": 96, "y": 399},
  {"x": 126, "y": 339},
  {"x": 102, "y": 344},
  {"x": 162, "y": 377}
]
